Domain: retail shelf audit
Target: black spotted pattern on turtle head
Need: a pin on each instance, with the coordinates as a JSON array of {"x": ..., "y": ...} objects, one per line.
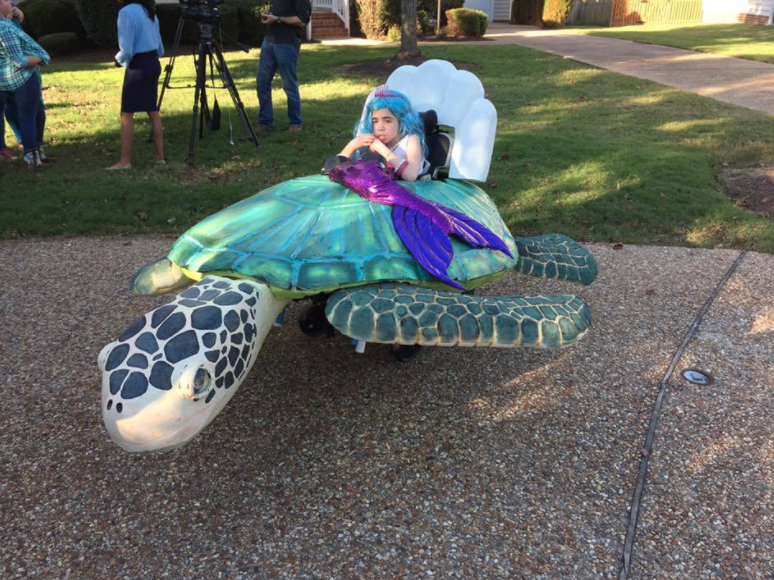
[{"x": 212, "y": 320}]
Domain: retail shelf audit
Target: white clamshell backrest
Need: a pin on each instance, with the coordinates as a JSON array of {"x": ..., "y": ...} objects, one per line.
[{"x": 457, "y": 96}]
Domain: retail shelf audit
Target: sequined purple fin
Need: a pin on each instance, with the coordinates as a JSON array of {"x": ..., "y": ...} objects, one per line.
[
  {"x": 427, "y": 242},
  {"x": 473, "y": 233}
]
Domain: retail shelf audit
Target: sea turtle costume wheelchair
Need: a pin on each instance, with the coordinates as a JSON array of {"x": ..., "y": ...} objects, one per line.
[{"x": 374, "y": 270}]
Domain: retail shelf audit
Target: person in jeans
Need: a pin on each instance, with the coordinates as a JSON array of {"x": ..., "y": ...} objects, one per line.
[
  {"x": 285, "y": 26},
  {"x": 20, "y": 57},
  {"x": 9, "y": 114},
  {"x": 139, "y": 41}
]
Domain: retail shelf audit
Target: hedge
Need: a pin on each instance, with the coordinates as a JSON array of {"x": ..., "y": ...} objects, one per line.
[
  {"x": 466, "y": 22},
  {"x": 251, "y": 29},
  {"x": 99, "y": 18},
  {"x": 354, "y": 20},
  {"x": 555, "y": 12},
  {"x": 374, "y": 18},
  {"x": 427, "y": 10},
  {"x": 42, "y": 17},
  {"x": 60, "y": 43},
  {"x": 238, "y": 19},
  {"x": 527, "y": 11}
]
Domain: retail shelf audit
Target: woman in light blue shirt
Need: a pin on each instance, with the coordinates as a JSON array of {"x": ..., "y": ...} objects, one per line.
[{"x": 139, "y": 41}]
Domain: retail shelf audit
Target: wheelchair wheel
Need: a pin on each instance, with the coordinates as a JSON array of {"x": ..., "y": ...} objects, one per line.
[
  {"x": 406, "y": 352},
  {"x": 313, "y": 322}
]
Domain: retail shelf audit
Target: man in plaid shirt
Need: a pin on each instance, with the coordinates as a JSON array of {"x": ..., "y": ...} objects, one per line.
[{"x": 20, "y": 57}]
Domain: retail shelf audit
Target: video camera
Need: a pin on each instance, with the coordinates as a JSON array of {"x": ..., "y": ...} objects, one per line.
[{"x": 202, "y": 10}]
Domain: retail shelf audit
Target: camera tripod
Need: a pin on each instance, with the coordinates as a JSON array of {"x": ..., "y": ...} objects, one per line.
[{"x": 208, "y": 51}]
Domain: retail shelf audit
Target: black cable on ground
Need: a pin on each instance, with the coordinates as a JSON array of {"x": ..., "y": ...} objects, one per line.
[{"x": 634, "y": 512}]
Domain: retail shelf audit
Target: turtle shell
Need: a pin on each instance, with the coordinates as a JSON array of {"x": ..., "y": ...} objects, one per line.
[{"x": 311, "y": 235}]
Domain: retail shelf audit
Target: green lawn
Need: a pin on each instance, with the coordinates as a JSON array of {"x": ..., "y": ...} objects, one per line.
[
  {"x": 736, "y": 40},
  {"x": 594, "y": 155}
]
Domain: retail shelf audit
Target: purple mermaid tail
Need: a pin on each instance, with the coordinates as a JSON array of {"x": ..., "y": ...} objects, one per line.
[{"x": 424, "y": 226}]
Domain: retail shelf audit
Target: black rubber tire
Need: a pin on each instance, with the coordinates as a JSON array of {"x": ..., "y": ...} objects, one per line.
[
  {"x": 313, "y": 322},
  {"x": 406, "y": 352}
]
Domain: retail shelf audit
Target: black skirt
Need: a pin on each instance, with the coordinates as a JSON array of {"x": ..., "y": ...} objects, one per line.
[{"x": 141, "y": 83}]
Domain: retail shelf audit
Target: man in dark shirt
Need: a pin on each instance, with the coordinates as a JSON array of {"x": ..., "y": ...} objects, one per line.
[{"x": 285, "y": 27}]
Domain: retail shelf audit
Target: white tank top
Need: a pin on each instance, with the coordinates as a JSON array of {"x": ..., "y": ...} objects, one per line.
[{"x": 400, "y": 151}]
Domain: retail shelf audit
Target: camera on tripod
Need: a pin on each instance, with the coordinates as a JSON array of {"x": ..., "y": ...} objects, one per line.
[
  {"x": 208, "y": 52},
  {"x": 201, "y": 10}
]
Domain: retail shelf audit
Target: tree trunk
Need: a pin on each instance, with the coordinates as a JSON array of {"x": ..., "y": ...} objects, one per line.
[{"x": 408, "y": 36}]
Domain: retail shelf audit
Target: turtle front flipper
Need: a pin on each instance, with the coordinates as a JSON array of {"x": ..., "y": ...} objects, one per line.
[
  {"x": 159, "y": 277},
  {"x": 555, "y": 256},
  {"x": 403, "y": 314}
]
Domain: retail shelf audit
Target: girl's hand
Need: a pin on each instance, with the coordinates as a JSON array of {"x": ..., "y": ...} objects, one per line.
[
  {"x": 16, "y": 13},
  {"x": 357, "y": 143},
  {"x": 378, "y": 147},
  {"x": 365, "y": 140}
]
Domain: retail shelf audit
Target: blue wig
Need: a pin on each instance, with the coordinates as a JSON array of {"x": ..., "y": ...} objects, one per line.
[{"x": 399, "y": 105}]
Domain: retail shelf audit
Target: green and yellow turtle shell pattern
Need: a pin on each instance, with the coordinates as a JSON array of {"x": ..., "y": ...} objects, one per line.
[{"x": 310, "y": 235}]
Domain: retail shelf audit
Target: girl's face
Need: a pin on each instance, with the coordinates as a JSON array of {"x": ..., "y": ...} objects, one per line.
[{"x": 386, "y": 125}]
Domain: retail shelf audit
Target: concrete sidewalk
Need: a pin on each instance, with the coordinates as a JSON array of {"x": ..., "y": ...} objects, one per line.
[
  {"x": 467, "y": 463},
  {"x": 732, "y": 80},
  {"x": 741, "y": 82}
]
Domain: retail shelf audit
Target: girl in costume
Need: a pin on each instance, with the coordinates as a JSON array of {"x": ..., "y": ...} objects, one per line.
[
  {"x": 392, "y": 129},
  {"x": 394, "y": 132}
]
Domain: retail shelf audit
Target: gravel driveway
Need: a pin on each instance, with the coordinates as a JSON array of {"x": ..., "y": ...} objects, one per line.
[{"x": 465, "y": 463}]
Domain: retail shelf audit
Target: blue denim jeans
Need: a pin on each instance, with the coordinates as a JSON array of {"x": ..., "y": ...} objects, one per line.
[
  {"x": 30, "y": 113},
  {"x": 9, "y": 115},
  {"x": 282, "y": 58}
]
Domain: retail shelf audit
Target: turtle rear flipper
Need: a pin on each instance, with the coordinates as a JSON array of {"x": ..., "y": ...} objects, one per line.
[
  {"x": 403, "y": 314},
  {"x": 555, "y": 256},
  {"x": 159, "y": 277}
]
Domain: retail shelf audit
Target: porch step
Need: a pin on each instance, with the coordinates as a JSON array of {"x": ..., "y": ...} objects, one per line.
[{"x": 328, "y": 25}]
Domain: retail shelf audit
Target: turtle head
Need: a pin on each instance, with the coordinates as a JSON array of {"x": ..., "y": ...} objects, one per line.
[{"x": 172, "y": 371}]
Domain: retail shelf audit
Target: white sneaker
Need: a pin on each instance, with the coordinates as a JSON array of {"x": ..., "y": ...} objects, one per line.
[{"x": 32, "y": 159}]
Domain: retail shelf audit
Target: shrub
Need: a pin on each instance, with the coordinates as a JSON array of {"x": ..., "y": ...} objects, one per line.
[
  {"x": 99, "y": 19},
  {"x": 555, "y": 12},
  {"x": 42, "y": 17},
  {"x": 251, "y": 30},
  {"x": 354, "y": 19},
  {"x": 371, "y": 14},
  {"x": 427, "y": 11},
  {"x": 483, "y": 22},
  {"x": 169, "y": 16},
  {"x": 229, "y": 23},
  {"x": 375, "y": 18},
  {"x": 394, "y": 33},
  {"x": 60, "y": 43},
  {"x": 465, "y": 22},
  {"x": 527, "y": 11},
  {"x": 391, "y": 12}
]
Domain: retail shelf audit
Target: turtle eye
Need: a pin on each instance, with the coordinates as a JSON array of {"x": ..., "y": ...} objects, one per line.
[{"x": 202, "y": 381}]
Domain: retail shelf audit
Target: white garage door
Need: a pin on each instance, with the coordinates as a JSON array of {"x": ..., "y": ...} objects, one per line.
[{"x": 483, "y": 5}]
